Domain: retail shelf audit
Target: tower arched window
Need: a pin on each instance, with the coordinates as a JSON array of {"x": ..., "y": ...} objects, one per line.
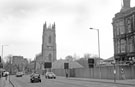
[
  {"x": 49, "y": 57},
  {"x": 50, "y": 39}
]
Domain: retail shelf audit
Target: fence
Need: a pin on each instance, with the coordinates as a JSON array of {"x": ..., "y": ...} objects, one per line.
[{"x": 102, "y": 72}]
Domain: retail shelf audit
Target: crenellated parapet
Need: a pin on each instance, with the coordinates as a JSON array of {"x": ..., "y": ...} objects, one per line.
[{"x": 50, "y": 26}]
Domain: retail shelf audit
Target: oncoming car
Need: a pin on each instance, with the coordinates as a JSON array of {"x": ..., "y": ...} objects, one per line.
[
  {"x": 35, "y": 77},
  {"x": 19, "y": 74},
  {"x": 50, "y": 75}
]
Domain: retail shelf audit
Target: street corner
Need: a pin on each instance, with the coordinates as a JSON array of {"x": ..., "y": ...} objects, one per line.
[
  {"x": 2, "y": 82},
  {"x": 5, "y": 82}
]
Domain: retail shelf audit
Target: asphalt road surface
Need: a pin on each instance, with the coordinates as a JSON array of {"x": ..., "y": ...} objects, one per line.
[{"x": 58, "y": 82}]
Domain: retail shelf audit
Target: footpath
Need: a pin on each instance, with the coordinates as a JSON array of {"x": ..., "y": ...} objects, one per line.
[
  {"x": 4, "y": 82},
  {"x": 121, "y": 82}
]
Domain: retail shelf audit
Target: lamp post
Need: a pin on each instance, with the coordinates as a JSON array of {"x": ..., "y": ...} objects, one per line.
[
  {"x": 2, "y": 50},
  {"x": 98, "y": 40},
  {"x": 98, "y": 50},
  {"x": 114, "y": 70}
]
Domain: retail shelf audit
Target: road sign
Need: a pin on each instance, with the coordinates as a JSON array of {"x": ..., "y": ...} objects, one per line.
[
  {"x": 66, "y": 65},
  {"x": 91, "y": 62},
  {"x": 0, "y": 59},
  {"x": 1, "y": 65},
  {"x": 47, "y": 65}
]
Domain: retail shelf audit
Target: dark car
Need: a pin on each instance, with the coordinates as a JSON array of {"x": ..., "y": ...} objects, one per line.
[
  {"x": 19, "y": 74},
  {"x": 35, "y": 77},
  {"x": 50, "y": 75}
]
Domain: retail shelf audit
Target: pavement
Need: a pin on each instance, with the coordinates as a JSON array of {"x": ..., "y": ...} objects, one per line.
[
  {"x": 5, "y": 83},
  {"x": 122, "y": 82},
  {"x": 130, "y": 82}
]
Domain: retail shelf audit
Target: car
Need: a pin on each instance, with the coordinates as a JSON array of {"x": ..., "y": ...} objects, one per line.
[
  {"x": 19, "y": 74},
  {"x": 50, "y": 75},
  {"x": 5, "y": 74},
  {"x": 35, "y": 77}
]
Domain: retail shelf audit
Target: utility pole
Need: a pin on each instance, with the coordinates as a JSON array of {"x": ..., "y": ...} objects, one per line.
[
  {"x": 2, "y": 50},
  {"x": 98, "y": 50}
]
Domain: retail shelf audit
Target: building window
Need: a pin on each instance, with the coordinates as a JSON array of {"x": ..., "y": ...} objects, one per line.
[
  {"x": 133, "y": 22},
  {"x": 134, "y": 43},
  {"x": 50, "y": 57},
  {"x": 130, "y": 45},
  {"x": 118, "y": 44},
  {"x": 122, "y": 28},
  {"x": 50, "y": 39},
  {"x": 115, "y": 48},
  {"x": 117, "y": 29},
  {"x": 123, "y": 46},
  {"x": 129, "y": 25}
]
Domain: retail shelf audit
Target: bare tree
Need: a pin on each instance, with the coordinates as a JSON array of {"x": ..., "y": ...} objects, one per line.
[
  {"x": 69, "y": 58},
  {"x": 87, "y": 55}
]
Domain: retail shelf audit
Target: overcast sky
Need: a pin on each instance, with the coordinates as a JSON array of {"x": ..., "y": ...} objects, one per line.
[{"x": 21, "y": 26}]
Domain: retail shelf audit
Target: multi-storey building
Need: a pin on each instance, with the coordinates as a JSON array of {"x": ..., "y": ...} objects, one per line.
[
  {"x": 124, "y": 34},
  {"x": 19, "y": 62}
]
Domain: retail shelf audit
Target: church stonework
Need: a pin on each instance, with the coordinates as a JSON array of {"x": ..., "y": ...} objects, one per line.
[{"x": 49, "y": 43}]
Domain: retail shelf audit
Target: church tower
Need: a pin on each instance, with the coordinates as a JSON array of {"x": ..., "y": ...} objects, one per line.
[{"x": 49, "y": 43}]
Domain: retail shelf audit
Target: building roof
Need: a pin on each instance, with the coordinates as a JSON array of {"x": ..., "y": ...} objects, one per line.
[
  {"x": 109, "y": 59},
  {"x": 59, "y": 64}
]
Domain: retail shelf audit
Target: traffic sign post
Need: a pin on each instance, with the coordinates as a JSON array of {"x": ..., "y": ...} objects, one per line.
[
  {"x": 91, "y": 63},
  {"x": 47, "y": 65},
  {"x": 114, "y": 75},
  {"x": 114, "y": 71},
  {"x": 1, "y": 65},
  {"x": 66, "y": 67}
]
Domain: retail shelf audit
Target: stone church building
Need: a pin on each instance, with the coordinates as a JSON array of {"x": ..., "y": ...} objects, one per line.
[
  {"x": 49, "y": 43},
  {"x": 48, "y": 52}
]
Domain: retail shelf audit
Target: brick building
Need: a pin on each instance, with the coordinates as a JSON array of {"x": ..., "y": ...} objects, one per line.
[{"x": 124, "y": 34}]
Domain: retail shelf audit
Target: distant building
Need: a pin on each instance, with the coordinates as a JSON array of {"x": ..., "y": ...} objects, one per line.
[
  {"x": 19, "y": 62},
  {"x": 39, "y": 63},
  {"x": 124, "y": 34},
  {"x": 109, "y": 61}
]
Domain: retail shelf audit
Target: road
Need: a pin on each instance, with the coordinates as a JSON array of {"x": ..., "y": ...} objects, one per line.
[{"x": 59, "y": 82}]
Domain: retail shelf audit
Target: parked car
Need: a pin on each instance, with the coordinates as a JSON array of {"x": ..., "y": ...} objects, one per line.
[
  {"x": 19, "y": 74},
  {"x": 5, "y": 74},
  {"x": 35, "y": 77},
  {"x": 50, "y": 75}
]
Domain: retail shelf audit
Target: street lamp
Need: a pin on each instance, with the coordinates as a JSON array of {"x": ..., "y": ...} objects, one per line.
[
  {"x": 98, "y": 48},
  {"x": 98, "y": 41},
  {"x": 2, "y": 50}
]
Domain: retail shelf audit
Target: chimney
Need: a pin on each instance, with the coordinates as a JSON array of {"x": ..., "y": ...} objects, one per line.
[{"x": 126, "y": 5}]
